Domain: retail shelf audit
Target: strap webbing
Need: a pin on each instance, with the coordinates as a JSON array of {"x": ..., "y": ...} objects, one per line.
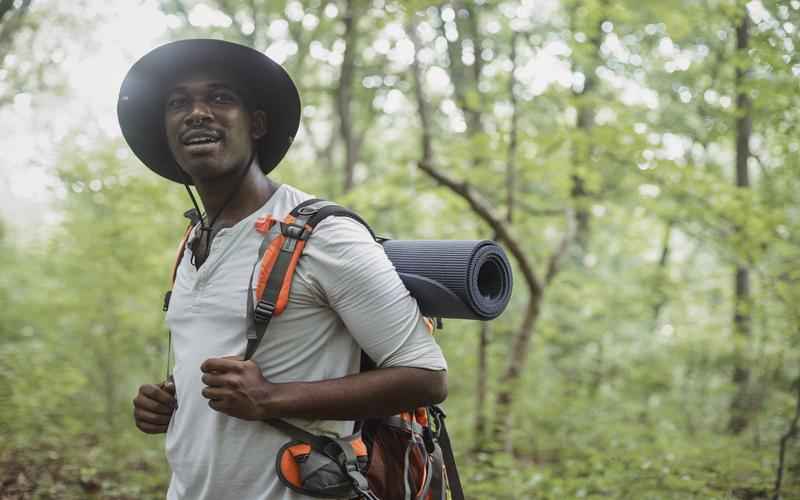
[
  {"x": 255, "y": 330},
  {"x": 437, "y": 487},
  {"x": 308, "y": 213},
  {"x": 338, "y": 450},
  {"x": 317, "y": 442},
  {"x": 453, "y": 481},
  {"x": 191, "y": 215}
]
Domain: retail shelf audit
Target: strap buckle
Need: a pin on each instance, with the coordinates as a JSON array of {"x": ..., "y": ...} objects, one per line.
[
  {"x": 263, "y": 311},
  {"x": 307, "y": 211},
  {"x": 295, "y": 231},
  {"x": 437, "y": 415},
  {"x": 193, "y": 215}
]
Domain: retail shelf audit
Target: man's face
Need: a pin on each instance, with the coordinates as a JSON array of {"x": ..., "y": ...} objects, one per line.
[{"x": 209, "y": 130}]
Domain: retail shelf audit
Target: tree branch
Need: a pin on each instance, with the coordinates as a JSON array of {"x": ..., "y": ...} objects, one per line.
[
  {"x": 254, "y": 13},
  {"x": 478, "y": 204},
  {"x": 794, "y": 427},
  {"x": 662, "y": 266},
  {"x": 181, "y": 9},
  {"x": 529, "y": 209},
  {"x": 554, "y": 263},
  {"x": 5, "y": 8},
  {"x": 10, "y": 21},
  {"x": 483, "y": 209}
]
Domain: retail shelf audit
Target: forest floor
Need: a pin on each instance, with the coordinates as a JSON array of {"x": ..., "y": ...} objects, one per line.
[
  {"x": 46, "y": 473},
  {"x": 42, "y": 473}
]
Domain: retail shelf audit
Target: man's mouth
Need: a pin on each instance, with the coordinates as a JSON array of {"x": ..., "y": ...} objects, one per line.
[{"x": 197, "y": 138}]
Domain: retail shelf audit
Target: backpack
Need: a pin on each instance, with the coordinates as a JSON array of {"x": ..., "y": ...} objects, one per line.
[{"x": 402, "y": 457}]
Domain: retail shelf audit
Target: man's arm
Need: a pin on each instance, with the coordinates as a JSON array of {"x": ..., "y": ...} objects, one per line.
[
  {"x": 356, "y": 280},
  {"x": 237, "y": 388}
]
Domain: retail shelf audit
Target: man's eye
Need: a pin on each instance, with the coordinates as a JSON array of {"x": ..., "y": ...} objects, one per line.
[
  {"x": 222, "y": 98},
  {"x": 175, "y": 102}
]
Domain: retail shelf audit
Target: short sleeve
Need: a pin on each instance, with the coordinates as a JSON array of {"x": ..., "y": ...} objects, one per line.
[{"x": 362, "y": 286}]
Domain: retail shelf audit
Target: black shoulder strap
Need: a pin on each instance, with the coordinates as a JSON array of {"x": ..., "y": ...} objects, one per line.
[
  {"x": 194, "y": 217},
  {"x": 453, "y": 480},
  {"x": 307, "y": 216},
  {"x": 317, "y": 210}
]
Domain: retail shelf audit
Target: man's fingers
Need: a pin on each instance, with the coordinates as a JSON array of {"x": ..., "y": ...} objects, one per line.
[
  {"x": 222, "y": 365},
  {"x": 213, "y": 393},
  {"x": 151, "y": 429},
  {"x": 152, "y": 406},
  {"x": 218, "y": 405},
  {"x": 168, "y": 386},
  {"x": 214, "y": 380},
  {"x": 148, "y": 417},
  {"x": 156, "y": 393}
]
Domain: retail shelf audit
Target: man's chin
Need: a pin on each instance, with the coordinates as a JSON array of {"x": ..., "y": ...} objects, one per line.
[
  {"x": 205, "y": 172},
  {"x": 202, "y": 170}
]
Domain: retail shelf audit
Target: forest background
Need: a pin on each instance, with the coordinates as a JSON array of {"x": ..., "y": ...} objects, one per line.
[{"x": 637, "y": 159}]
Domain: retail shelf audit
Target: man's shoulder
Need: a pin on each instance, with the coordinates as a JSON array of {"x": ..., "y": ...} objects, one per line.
[
  {"x": 335, "y": 227},
  {"x": 287, "y": 197}
]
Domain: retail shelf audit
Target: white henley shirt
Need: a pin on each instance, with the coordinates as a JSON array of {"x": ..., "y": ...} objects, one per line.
[{"x": 345, "y": 296}]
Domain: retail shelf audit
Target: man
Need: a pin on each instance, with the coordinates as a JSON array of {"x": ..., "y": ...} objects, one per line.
[{"x": 219, "y": 116}]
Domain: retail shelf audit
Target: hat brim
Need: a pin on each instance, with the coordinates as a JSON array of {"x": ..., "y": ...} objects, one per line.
[{"x": 140, "y": 108}]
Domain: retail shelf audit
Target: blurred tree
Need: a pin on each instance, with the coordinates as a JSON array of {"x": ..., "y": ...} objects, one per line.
[
  {"x": 743, "y": 304},
  {"x": 31, "y": 54},
  {"x": 617, "y": 121}
]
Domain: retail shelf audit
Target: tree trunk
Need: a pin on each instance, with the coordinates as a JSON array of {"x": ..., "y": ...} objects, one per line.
[
  {"x": 582, "y": 150},
  {"x": 517, "y": 360},
  {"x": 513, "y": 243},
  {"x": 344, "y": 96},
  {"x": 473, "y": 112},
  {"x": 742, "y": 320},
  {"x": 482, "y": 386},
  {"x": 511, "y": 163}
]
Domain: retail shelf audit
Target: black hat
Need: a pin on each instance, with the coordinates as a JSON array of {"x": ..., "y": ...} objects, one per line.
[{"x": 140, "y": 108}]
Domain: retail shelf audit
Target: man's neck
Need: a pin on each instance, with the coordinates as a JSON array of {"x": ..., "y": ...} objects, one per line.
[{"x": 252, "y": 192}]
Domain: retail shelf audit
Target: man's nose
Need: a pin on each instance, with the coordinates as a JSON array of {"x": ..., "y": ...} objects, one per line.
[{"x": 198, "y": 114}]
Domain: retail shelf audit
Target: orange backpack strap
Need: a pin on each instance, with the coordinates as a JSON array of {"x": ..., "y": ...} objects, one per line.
[{"x": 277, "y": 261}]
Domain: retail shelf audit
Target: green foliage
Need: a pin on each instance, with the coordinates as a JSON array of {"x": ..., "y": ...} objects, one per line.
[{"x": 627, "y": 389}]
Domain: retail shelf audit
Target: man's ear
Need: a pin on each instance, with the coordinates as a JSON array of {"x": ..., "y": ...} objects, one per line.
[{"x": 259, "y": 125}]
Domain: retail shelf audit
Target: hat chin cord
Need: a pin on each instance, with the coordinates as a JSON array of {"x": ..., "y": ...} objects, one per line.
[{"x": 208, "y": 227}]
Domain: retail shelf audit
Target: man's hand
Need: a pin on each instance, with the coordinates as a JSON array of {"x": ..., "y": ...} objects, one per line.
[
  {"x": 153, "y": 407},
  {"x": 236, "y": 388}
]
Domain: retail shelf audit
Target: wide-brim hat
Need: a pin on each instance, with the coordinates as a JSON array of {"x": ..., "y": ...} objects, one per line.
[{"x": 140, "y": 108}]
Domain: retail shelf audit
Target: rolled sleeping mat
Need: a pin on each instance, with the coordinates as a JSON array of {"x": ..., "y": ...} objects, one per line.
[{"x": 466, "y": 279}]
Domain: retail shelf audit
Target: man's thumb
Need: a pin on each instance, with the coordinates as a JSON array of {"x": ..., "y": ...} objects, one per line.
[{"x": 168, "y": 386}]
